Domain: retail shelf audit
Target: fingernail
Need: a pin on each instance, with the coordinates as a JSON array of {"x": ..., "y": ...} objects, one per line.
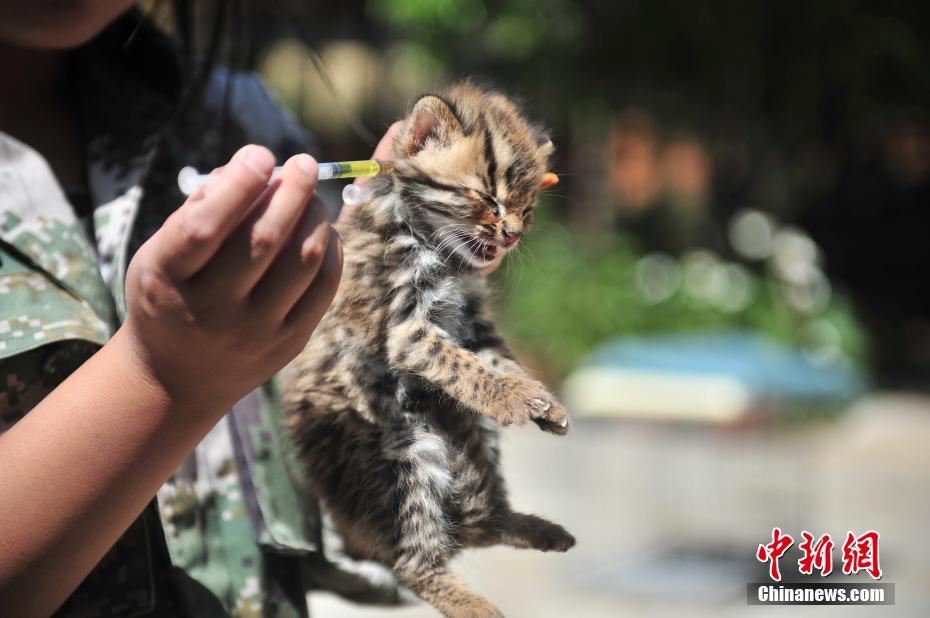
[
  {"x": 307, "y": 164},
  {"x": 314, "y": 246},
  {"x": 259, "y": 160}
]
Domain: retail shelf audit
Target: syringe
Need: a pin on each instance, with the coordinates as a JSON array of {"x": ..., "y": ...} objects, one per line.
[{"x": 189, "y": 178}]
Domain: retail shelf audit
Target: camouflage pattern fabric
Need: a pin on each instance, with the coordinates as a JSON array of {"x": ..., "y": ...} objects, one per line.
[
  {"x": 37, "y": 219},
  {"x": 56, "y": 312},
  {"x": 52, "y": 329}
]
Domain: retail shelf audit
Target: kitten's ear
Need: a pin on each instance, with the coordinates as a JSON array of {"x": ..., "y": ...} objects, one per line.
[
  {"x": 549, "y": 179},
  {"x": 431, "y": 119},
  {"x": 545, "y": 147},
  {"x": 544, "y": 143}
]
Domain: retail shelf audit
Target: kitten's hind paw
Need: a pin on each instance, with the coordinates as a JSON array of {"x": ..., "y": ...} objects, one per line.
[
  {"x": 552, "y": 537},
  {"x": 559, "y": 539},
  {"x": 533, "y": 532}
]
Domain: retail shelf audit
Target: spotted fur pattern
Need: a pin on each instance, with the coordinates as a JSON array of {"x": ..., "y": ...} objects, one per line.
[{"x": 396, "y": 401}]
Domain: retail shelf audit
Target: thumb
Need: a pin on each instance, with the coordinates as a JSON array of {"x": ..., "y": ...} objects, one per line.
[{"x": 385, "y": 148}]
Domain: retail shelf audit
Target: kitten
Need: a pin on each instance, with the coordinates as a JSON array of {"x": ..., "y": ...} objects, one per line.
[{"x": 395, "y": 401}]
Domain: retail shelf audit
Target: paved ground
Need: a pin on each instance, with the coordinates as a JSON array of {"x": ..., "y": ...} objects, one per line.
[{"x": 668, "y": 517}]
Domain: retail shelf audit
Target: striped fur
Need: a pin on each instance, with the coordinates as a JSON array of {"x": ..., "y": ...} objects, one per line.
[{"x": 395, "y": 402}]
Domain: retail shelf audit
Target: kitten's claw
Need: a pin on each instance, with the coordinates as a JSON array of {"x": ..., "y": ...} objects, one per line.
[
  {"x": 555, "y": 420},
  {"x": 542, "y": 406}
]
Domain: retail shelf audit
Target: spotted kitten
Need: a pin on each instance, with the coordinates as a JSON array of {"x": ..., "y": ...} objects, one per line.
[{"x": 395, "y": 402}]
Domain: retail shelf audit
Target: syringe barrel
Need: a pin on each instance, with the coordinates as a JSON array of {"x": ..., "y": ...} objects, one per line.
[{"x": 349, "y": 169}]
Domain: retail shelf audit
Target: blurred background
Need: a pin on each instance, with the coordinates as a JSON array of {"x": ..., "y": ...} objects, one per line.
[{"x": 728, "y": 287}]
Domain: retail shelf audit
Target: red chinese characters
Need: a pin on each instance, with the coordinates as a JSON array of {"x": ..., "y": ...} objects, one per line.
[
  {"x": 861, "y": 554},
  {"x": 817, "y": 555},
  {"x": 774, "y": 551}
]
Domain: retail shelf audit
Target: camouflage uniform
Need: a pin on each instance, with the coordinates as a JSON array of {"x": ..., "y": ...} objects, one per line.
[{"x": 234, "y": 530}]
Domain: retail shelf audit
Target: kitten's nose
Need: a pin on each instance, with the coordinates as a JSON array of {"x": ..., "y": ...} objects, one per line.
[{"x": 510, "y": 237}]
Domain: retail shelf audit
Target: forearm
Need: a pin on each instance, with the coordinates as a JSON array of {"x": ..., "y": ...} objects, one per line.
[{"x": 79, "y": 468}]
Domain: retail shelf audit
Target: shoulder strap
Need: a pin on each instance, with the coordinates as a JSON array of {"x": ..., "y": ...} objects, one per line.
[{"x": 31, "y": 263}]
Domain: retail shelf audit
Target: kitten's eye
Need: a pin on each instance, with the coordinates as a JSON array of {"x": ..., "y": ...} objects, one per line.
[
  {"x": 512, "y": 175},
  {"x": 488, "y": 200}
]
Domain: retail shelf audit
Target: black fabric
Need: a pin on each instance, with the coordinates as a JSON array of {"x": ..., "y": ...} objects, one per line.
[{"x": 127, "y": 80}]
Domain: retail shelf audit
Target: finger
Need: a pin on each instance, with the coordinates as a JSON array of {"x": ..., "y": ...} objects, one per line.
[
  {"x": 309, "y": 310},
  {"x": 245, "y": 256},
  {"x": 383, "y": 151},
  {"x": 196, "y": 230},
  {"x": 294, "y": 269}
]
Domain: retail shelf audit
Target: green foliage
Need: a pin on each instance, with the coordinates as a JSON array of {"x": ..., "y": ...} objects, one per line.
[
  {"x": 427, "y": 14},
  {"x": 564, "y": 294},
  {"x": 508, "y": 31}
]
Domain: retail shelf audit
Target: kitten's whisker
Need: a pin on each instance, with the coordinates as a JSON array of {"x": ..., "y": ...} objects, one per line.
[
  {"x": 561, "y": 196},
  {"x": 512, "y": 282},
  {"x": 448, "y": 254},
  {"x": 447, "y": 241},
  {"x": 532, "y": 258},
  {"x": 469, "y": 241},
  {"x": 454, "y": 250},
  {"x": 443, "y": 228},
  {"x": 454, "y": 226}
]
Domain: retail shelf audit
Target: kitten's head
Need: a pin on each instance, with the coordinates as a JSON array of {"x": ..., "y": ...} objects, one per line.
[{"x": 469, "y": 168}]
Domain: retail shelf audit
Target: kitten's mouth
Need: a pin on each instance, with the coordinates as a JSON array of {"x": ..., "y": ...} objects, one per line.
[{"x": 483, "y": 251}]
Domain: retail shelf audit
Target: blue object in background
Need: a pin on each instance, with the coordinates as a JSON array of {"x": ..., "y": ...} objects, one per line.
[{"x": 712, "y": 376}]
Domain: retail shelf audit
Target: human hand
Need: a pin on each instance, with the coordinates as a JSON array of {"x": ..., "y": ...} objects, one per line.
[{"x": 231, "y": 287}]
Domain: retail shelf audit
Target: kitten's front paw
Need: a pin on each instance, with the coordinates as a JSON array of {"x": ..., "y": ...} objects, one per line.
[
  {"x": 527, "y": 400},
  {"x": 554, "y": 419}
]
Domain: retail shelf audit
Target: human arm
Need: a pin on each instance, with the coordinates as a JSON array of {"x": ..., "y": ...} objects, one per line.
[{"x": 221, "y": 297}]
